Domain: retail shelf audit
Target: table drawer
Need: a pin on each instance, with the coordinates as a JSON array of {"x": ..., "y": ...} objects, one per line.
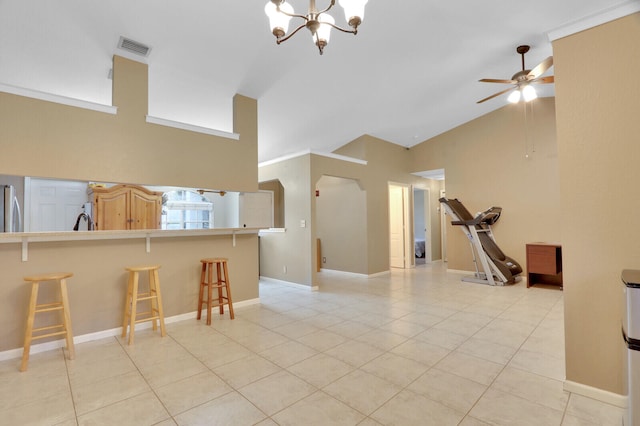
[
  {"x": 544, "y": 259},
  {"x": 543, "y": 264}
]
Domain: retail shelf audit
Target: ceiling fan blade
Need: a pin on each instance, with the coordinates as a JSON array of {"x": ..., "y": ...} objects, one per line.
[
  {"x": 541, "y": 68},
  {"x": 544, "y": 80},
  {"x": 493, "y": 80},
  {"x": 494, "y": 95}
]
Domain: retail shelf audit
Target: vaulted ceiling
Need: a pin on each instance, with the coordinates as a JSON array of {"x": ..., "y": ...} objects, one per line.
[{"x": 411, "y": 72}]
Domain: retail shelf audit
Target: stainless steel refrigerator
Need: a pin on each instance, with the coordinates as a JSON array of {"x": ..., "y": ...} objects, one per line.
[{"x": 10, "y": 217}]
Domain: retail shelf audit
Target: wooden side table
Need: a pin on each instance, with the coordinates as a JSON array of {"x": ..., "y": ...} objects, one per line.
[{"x": 544, "y": 264}]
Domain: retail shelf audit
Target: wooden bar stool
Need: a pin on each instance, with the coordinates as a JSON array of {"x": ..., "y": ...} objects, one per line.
[
  {"x": 34, "y": 308},
  {"x": 221, "y": 282},
  {"x": 154, "y": 296}
]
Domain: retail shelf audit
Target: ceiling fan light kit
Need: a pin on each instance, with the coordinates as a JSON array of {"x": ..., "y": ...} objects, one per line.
[
  {"x": 523, "y": 80},
  {"x": 318, "y": 22}
]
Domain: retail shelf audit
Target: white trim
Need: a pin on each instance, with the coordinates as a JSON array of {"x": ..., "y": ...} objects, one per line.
[
  {"x": 309, "y": 152},
  {"x": 284, "y": 158},
  {"x": 355, "y": 274},
  {"x": 339, "y": 157},
  {"x": 607, "y": 15},
  {"x": 459, "y": 271},
  {"x": 191, "y": 127},
  {"x": 347, "y": 273},
  {"x": 245, "y": 303},
  {"x": 289, "y": 283},
  {"x": 272, "y": 231},
  {"x": 113, "y": 332},
  {"x": 26, "y": 238},
  {"x": 58, "y": 99},
  {"x": 379, "y": 274},
  {"x": 615, "y": 399}
]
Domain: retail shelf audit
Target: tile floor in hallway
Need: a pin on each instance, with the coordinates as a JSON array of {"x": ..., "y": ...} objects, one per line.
[{"x": 413, "y": 347}]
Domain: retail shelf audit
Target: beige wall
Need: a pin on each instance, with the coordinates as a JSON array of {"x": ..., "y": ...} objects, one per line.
[
  {"x": 598, "y": 144},
  {"x": 292, "y": 248},
  {"x": 278, "y": 200},
  {"x": 341, "y": 224},
  {"x": 97, "y": 289},
  {"x": 386, "y": 163},
  {"x": 45, "y": 139},
  {"x": 486, "y": 164}
]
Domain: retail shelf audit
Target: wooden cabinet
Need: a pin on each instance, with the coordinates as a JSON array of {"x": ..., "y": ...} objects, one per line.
[
  {"x": 125, "y": 207},
  {"x": 544, "y": 264}
]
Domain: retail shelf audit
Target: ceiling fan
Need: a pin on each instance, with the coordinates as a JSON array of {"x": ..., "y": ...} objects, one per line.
[{"x": 522, "y": 80}]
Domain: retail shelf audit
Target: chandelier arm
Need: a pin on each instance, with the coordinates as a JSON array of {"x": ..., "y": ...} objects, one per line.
[
  {"x": 333, "y": 3},
  {"x": 291, "y": 15},
  {"x": 355, "y": 31},
  {"x": 280, "y": 40}
]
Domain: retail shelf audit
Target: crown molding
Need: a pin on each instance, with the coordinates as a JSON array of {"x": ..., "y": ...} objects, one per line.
[
  {"x": 606, "y": 15},
  {"x": 312, "y": 152},
  {"x": 50, "y": 97}
]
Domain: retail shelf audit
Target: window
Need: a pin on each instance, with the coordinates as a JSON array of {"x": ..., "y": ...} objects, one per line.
[{"x": 183, "y": 209}]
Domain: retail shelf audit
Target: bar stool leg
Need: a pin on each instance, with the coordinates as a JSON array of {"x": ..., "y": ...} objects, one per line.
[
  {"x": 154, "y": 281},
  {"x": 228, "y": 287},
  {"x": 29, "y": 331},
  {"x": 219, "y": 284},
  {"x": 134, "y": 303},
  {"x": 153, "y": 302},
  {"x": 209, "y": 295},
  {"x": 67, "y": 318},
  {"x": 201, "y": 295},
  {"x": 127, "y": 307}
]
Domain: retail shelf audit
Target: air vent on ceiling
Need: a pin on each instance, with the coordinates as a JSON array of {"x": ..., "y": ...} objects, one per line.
[{"x": 134, "y": 47}]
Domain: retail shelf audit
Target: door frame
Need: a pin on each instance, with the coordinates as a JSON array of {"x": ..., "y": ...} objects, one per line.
[
  {"x": 407, "y": 222},
  {"x": 428, "y": 253}
]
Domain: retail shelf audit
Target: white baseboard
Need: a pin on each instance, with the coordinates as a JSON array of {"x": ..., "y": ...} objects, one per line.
[
  {"x": 345, "y": 273},
  {"x": 458, "y": 271},
  {"x": 615, "y": 399},
  {"x": 355, "y": 274},
  {"x": 56, "y": 344},
  {"x": 289, "y": 283}
]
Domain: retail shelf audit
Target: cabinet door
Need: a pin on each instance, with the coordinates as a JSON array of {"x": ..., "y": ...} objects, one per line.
[
  {"x": 112, "y": 211},
  {"x": 145, "y": 210}
]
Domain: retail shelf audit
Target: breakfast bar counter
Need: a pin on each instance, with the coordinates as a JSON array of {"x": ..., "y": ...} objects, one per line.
[{"x": 98, "y": 258}]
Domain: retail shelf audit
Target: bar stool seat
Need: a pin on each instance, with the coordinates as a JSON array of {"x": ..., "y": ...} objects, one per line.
[
  {"x": 154, "y": 296},
  {"x": 63, "y": 329},
  {"x": 221, "y": 282}
]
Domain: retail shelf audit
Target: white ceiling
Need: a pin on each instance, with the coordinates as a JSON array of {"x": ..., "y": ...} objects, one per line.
[{"x": 411, "y": 72}]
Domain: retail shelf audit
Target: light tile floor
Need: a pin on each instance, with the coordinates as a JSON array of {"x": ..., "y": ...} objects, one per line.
[{"x": 414, "y": 347}]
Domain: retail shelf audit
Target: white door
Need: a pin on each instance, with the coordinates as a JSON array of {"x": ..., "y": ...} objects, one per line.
[
  {"x": 53, "y": 205},
  {"x": 427, "y": 228},
  {"x": 399, "y": 239},
  {"x": 396, "y": 233}
]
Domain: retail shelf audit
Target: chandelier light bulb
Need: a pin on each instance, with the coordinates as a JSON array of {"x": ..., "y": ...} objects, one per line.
[
  {"x": 318, "y": 22},
  {"x": 514, "y": 97},
  {"x": 278, "y": 21},
  {"x": 353, "y": 11},
  {"x": 529, "y": 93},
  {"x": 323, "y": 33}
]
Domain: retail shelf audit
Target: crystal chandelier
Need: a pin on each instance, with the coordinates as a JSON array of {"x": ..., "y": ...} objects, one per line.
[{"x": 318, "y": 22}]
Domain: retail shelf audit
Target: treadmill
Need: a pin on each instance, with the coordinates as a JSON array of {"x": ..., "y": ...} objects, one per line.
[{"x": 497, "y": 268}]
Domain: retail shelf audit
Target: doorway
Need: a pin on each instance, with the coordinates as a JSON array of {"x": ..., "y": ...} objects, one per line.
[
  {"x": 422, "y": 226},
  {"x": 400, "y": 252}
]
